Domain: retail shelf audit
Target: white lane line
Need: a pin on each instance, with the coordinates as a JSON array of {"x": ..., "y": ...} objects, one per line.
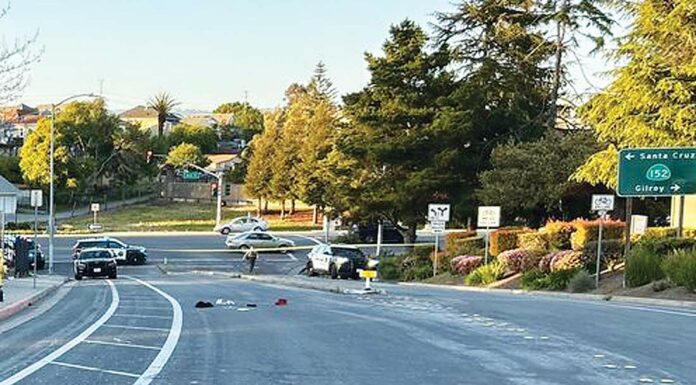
[
  {"x": 291, "y": 256},
  {"x": 163, "y": 356},
  {"x": 655, "y": 310},
  {"x": 70, "y": 344},
  {"x": 142, "y": 316},
  {"x": 116, "y": 326},
  {"x": 144, "y": 307},
  {"x": 126, "y": 345},
  {"x": 93, "y": 369}
]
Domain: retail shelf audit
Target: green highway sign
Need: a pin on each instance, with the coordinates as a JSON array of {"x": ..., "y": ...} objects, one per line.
[
  {"x": 191, "y": 175},
  {"x": 657, "y": 171}
]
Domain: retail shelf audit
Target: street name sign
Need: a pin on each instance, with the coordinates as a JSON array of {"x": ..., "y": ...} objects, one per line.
[
  {"x": 657, "y": 171},
  {"x": 488, "y": 216},
  {"x": 438, "y": 212},
  {"x": 602, "y": 202}
]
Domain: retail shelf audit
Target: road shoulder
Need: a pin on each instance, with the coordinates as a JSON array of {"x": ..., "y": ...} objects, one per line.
[{"x": 20, "y": 294}]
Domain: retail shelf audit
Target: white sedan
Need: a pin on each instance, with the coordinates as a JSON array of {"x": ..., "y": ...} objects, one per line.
[
  {"x": 258, "y": 240},
  {"x": 242, "y": 225}
]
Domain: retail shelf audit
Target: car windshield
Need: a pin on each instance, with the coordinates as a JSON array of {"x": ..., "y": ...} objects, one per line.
[
  {"x": 101, "y": 254},
  {"x": 347, "y": 252}
]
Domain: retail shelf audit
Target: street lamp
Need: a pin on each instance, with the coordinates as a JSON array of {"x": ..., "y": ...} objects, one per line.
[{"x": 51, "y": 213}]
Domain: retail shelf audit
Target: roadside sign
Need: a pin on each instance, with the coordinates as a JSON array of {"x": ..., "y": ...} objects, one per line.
[
  {"x": 438, "y": 212},
  {"x": 36, "y": 198},
  {"x": 488, "y": 216},
  {"x": 602, "y": 202},
  {"x": 657, "y": 171},
  {"x": 639, "y": 223},
  {"x": 95, "y": 207},
  {"x": 437, "y": 227},
  {"x": 368, "y": 274}
]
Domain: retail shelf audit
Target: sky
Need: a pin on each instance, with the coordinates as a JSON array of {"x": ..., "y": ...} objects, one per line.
[{"x": 207, "y": 52}]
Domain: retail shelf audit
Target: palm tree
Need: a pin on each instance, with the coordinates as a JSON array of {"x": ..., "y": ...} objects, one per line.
[{"x": 163, "y": 103}]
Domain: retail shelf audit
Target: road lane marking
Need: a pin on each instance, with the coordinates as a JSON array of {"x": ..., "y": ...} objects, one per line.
[
  {"x": 116, "y": 326},
  {"x": 144, "y": 307},
  {"x": 142, "y": 316},
  {"x": 163, "y": 356},
  {"x": 126, "y": 345},
  {"x": 70, "y": 344},
  {"x": 656, "y": 310},
  {"x": 93, "y": 369}
]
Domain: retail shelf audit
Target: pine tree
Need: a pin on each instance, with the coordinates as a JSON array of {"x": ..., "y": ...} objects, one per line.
[{"x": 263, "y": 148}]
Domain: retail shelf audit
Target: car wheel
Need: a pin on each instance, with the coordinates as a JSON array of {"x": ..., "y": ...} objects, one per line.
[
  {"x": 310, "y": 269},
  {"x": 283, "y": 249},
  {"x": 78, "y": 277},
  {"x": 243, "y": 247},
  {"x": 225, "y": 231},
  {"x": 333, "y": 271},
  {"x": 113, "y": 276}
]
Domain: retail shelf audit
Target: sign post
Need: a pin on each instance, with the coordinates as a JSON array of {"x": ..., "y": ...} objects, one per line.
[
  {"x": 602, "y": 204},
  {"x": 488, "y": 216},
  {"x": 438, "y": 215},
  {"x": 95, "y": 210},
  {"x": 368, "y": 275},
  {"x": 36, "y": 202}
]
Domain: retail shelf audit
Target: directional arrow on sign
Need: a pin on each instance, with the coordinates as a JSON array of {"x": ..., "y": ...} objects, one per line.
[
  {"x": 630, "y": 156},
  {"x": 675, "y": 187}
]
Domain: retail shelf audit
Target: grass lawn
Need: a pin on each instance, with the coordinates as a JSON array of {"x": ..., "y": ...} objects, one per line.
[{"x": 180, "y": 216}]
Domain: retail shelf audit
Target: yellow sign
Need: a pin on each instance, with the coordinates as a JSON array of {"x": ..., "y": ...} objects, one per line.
[{"x": 368, "y": 274}]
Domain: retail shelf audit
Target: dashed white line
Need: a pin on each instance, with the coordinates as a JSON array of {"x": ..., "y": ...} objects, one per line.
[
  {"x": 122, "y": 344},
  {"x": 93, "y": 369},
  {"x": 117, "y": 326},
  {"x": 142, "y": 316},
  {"x": 70, "y": 344}
]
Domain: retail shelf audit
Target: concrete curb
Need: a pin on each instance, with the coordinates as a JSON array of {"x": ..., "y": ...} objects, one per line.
[
  {"x": 576, "y": 296},
  {"x": 18, "y": 306},
  {"x": 338, "y": 289}
]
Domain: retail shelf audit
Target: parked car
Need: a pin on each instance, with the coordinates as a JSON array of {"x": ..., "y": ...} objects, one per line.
[
  {"x": 124, "y": 253},
  {"x": 368, "y": 233},
  {"x": 342, "y": 261},
  {"x": 95, "y": 262},
  {"x": 243, "y": 225},
  {"x": 257, "y": 240}
]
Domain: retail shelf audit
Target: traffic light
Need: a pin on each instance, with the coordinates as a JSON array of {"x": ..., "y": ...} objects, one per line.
[
  {"x": 148, "y": 156},
  {"x": 213, "y": 189}
]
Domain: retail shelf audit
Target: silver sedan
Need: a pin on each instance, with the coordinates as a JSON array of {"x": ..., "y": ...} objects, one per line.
[{"x": 258, "y": 240}]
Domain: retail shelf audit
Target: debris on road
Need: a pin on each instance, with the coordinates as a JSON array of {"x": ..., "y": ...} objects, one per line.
[
  {"x": 281, "y": 302},
  {"x": 203, "y": 304},
  {"x": 224, "y": 302},
  {"x": 243, "y": 309},
  {"x": 251, "y": 305}
]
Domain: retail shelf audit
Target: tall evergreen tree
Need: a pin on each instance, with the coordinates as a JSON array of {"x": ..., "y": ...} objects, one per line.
[
  {"x": 263, "y": 148},
  {"x": 652, "y": 101}
]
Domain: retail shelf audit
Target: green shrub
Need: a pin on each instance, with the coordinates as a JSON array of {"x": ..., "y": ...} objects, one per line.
[
  {"x": 612, "y": 253},
  {"x": 347, "y": 239},
  {"x": 643, "y": 266},
  {"x": 680, "y": 268},
  {"x": 662, "y": 247},
  {"x": 389, "y": 268},
  {"x": 467, "y": 246},
  {"x": 19, "y": 226},
  {"x": 689, "y": 233},
  {"x": 505, "y": 239},
  {"x": 533, "y": 241},
  {"x": 418, "y": 273},
  {"x": 417, "y": 265},
  {"x": 588, "y": 231},
  {"x": 659, "y": 233},
  {"x": 452, "y": 241},
  {"x": 538, "y": 280},
  {"x": 486, "y": 274},
  {"x": 558, "y": 234},
  {"x": 581, "y": 282}
]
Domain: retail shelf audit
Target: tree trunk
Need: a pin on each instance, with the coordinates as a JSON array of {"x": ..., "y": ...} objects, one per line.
[
  {"x": 282, "y": 209},
  {"x": 558, "y": 68},
  {"x": 265, "y": 206},
  {"x": 315, "y": 215},
  {"x": 258, "y": 209},
  {"x": 292, "y": 206}
]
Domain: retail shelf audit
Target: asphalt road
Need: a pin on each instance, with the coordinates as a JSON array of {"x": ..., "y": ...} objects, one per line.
[{"x": 409, "y": 336}]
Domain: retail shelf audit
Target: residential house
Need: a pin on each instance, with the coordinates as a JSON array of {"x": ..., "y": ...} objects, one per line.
[
  {"x": 222, "y": 162},
  {"x": 8, "y": 197},
  {"x": 146, "y": 118},
  {"x": 16, "y": 122}
]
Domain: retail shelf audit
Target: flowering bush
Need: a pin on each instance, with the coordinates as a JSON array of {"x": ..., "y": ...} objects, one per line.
[
  {"x": 588, "y": 231},
  {"x": 518, "y": 260},
  {"x": 465, "y": 264},
  {"x": 567, "y": 260},
  {"x": 505, "y": 239},
  {"x": 533, "y": 241},
  {"x": 557, "y": 234},
  {"x": 545, "y": 262},
  {"x": 452, "y": 240}
]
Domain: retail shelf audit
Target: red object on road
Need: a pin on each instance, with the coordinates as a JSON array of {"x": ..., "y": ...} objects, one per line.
[{"x": 281, "y": 302}]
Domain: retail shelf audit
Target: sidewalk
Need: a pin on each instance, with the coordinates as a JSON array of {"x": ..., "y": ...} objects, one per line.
[
  {"x": 80, "y": 211},
  {"x": 19, "y": 293}
]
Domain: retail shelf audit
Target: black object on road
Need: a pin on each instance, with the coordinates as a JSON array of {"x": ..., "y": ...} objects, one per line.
[
  {"x": 251, "y": 305},
  {"x": 203, "y": 304}
]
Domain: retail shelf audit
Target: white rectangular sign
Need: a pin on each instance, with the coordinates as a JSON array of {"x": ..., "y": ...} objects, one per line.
[
  {"x": 488, "y": 216},
  {"x": 438, "y": 212},
  {"x": 639, "y": 223},
  {"x": 36, "y": 198},
  {"x": 437, "y": 227},
  {"x": 602, "y": 202},
  {"x": 95, "y": 207}
]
